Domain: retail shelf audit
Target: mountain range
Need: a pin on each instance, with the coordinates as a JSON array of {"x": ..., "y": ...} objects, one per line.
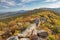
[{"x": 24, "y": 12}]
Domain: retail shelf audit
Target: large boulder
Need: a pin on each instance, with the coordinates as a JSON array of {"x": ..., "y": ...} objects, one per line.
[
  {"x": 24, "y": 39},
  {"x": 42, "y": 34},
  {"x": 13, "y": 38},
  {"x": 34, "y": 37}
]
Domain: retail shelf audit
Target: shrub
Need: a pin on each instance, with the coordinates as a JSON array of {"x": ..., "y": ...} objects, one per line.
[
  {"x": 56, "y": 29},
  {"x": 51, "y": 37}
]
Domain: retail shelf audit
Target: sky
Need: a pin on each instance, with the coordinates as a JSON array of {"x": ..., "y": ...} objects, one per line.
[{"x": 15, "y": 5}]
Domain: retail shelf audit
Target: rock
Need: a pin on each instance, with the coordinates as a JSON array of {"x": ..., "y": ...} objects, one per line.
[
  {"x": 24, "y": 39},
  {"x": 35, "y": 37},
  {"x": 43, "y": 19},
  {"x": 43, "y": 39},
  {"x": 28, "y": 31},
  {"x": 42, "y": 34},
  {"x": 13, "y": 38}
]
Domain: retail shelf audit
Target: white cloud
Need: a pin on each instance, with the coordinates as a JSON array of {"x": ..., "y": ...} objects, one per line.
[
  {"x": 8, "y": 3},
  {"x": 20, "y": 4},
  {"x": 50, "y": 0},
  {"x": 11, "y": 3},
  {"x": 53, "y": 5},
  {"x": 27, "y": 0},
  {"x": 3, "y": 0},
  {"x": 5, "y": 6}
]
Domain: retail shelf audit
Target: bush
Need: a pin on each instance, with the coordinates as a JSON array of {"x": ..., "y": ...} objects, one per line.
[
  {"x": 51, "y": 37},
  {"x": 56, "y": 29},
  {"x": 25, "y": 26}
]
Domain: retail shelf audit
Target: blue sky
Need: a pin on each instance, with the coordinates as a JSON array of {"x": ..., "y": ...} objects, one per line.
[{"x": 15, "y": 5}]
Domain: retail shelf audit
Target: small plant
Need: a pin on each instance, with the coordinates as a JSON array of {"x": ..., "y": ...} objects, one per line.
[
  {"x": 51, "y": 37},
  {"x": 56, "y": 29}
]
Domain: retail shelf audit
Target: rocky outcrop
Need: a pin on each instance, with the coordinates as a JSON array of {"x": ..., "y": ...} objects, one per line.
[
  {"x": 29, "y": 30},
  {"x": 31, "y": 33}
]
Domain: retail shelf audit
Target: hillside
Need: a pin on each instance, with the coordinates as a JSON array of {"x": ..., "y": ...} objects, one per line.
[
  {"x": 22, "y": 12},
  {"x": 50, "y": 22}
]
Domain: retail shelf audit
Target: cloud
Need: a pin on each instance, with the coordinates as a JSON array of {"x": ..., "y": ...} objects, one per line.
[
  {"x": 22, "y": 3},
  {"x": 27, "y": 0},
  {"x": 19, "y": 4},
  {"x": 50, "y": 0},
  {"x": 5, "y": 6},
  {"x": 30, "y": 4},
  {"x": 11, "y": 3},
  {"x": 7, "y": 3},
  {"x": 53, "y": 5},
  {"x": 3, "y": 0}
]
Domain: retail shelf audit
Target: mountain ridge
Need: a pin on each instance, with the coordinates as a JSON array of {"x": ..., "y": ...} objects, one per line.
[{"x": 23, "y": 12}]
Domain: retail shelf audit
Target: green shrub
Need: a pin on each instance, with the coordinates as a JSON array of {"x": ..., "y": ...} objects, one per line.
[
  {"x": 56, "y": 29},
  {"x": 51, "y": 37}
]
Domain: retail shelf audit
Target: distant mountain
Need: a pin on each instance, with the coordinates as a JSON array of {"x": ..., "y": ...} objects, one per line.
[
  {"x": 56, "y": 9},
  {"x": 11, "y": 14},
  {"x": 20, "y": 11},
  {"x": 53, "y": 9},
  {"x": 25, "y": 12}
]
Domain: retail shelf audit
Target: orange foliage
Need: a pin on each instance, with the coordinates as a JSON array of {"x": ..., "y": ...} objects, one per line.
[{"x": 12, "y": 23}]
